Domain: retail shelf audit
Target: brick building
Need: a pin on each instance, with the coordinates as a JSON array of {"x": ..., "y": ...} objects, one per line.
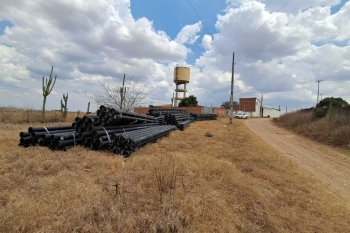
[
  {"x": 248, "y": 105},
  {"x": 253, "y": 108}
]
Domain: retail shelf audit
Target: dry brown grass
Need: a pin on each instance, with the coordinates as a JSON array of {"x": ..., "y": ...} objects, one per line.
[
  {"x": 333, "y": 130},
  {"x": 20, "y": 116},
  {"x": 231, "y": 182}
]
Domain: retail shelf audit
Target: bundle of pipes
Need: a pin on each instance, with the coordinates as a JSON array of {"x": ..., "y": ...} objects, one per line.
[
  {"x": 47, "y": 136},
  {"x": 128, "y": 142},
  {"x": 160, "y": 120},
  {"x": 65, "y": 141},
  {"x": 204, "y": 116},
  {"x": 121, "y": 131},
  {"x": 81, "y": 124},
  {"x": 162, "y": 112},
  {"x": 96, "y": 131},
  {"x": 183, "y": 124},
  {"x": 111, "y": 116},
  {"x": 181, "y": 120},
  {"x": 98, "y": 137}
]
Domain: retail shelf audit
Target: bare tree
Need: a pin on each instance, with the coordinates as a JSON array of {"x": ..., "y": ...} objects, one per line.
[{"x": 124, "y": 96}]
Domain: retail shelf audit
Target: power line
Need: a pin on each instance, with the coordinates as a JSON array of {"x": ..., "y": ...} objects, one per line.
[
  {"x": 260, "y": 27},
  {"x": 199, "y": 17},
  {"x": 205, "y": 27}
]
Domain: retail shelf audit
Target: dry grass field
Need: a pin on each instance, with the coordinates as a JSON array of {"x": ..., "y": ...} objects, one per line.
[
  {"x": 186, "y": 182},
  {"x": 20, "y": 116}
]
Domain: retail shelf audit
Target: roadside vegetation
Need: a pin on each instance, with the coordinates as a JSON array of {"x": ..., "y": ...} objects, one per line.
[
  {"x": 186, "y": 182},
  {"x": 328, "y": 123}
]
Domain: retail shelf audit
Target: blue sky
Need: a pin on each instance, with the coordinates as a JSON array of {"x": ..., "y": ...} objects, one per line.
[
  {"x": 3, "y": 25},
  {"x": 172, "y": 16},
  {"x": 89, "y": 42},
  {"x": 336, "y": 8}
]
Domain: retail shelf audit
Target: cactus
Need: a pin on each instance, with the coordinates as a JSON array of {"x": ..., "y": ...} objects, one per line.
[
  {"x": 122, "y": 94},
  {"x": 88, "y": 109},
  {"x": 47, "y": 88},
  {"x": 64, "y": 106}
]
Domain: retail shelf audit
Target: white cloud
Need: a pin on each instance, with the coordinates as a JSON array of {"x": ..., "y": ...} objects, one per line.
[
  {"x": 188, "y": 34},
  {"x": 207, "y": 42},
  {"x": 280, "y": 60},
  {"x": 290, "y": 7},
  {"x": 99, "y": 38},
  {"x": 13, "y": 76}
]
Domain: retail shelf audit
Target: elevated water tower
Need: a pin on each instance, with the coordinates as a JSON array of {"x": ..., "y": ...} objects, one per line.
[{"x": 181, "y": 76}]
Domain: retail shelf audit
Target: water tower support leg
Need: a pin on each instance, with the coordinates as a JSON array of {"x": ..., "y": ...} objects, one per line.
[{"x": 176, "y": 95}]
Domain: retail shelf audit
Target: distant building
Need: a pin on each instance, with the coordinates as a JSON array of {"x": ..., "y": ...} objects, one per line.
[
  {"x": 253, "y": 108},
  {"x": 198, "y": 109}
]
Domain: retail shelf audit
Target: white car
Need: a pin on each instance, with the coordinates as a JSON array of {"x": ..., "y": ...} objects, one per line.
[{"x": 241, "y": 115}]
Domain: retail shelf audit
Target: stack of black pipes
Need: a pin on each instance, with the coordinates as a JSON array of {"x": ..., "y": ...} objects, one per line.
[
  {"x": 178, "y": 117},
  {"x": 97, "y": 131},
  {"x": 181, "y": 120},
  {"x": 122, "y": 132},
  {"x": 99, "y": 137},
  {"x": 111, "y": 129},
  {"x": 204, "y": 116},
  {"x": 126, "y": 143},
  {"x": 54, "y": 137},
  {"x": 162, "y": 112}
]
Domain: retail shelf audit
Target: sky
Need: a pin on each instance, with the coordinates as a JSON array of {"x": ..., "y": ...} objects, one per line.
[{"x": 281, "y": 48}]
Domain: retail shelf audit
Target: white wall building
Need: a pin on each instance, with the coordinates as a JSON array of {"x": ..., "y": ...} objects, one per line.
[{"x": 252, "y": 107}]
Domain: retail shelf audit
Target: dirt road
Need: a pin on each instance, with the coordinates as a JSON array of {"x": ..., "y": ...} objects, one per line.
[{"x": 330, "y": 165}]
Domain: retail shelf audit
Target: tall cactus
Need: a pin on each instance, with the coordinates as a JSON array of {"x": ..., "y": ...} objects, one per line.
[
  {"x": 122, "y": 94},
  {"x": 64, "y": 106},
  {"x": 47, "y": 88}
]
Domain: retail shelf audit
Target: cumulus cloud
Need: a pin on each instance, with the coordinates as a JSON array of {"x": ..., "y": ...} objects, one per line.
[
  {"x": 290, "y": 7},
  {"x": 281, "y": 58},
  {"x": 188, "y": 34},
  {"x": 91, "y": 38}
]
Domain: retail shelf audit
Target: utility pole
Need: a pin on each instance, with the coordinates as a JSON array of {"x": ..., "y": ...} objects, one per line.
[
  {"x": 261, "y": 105},
  {"x": 318, "y": 89},
  {"x": 232, "y": 85},
  {"x": 321, "y": 96}
]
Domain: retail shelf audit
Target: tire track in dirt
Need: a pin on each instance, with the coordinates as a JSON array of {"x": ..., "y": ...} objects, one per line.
[{"x": 331, "y": 165}]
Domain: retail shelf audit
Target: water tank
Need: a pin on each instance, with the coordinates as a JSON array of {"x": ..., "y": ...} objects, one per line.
[{"x": 181, "y": 75}]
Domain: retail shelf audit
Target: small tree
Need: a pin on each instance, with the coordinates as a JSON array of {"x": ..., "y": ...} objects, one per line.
[
  {"x": 64, "y": 106},
  {"x": 326, "y": 105},
  {"x": 47, "y": 88},
  {"x": 124, "y": 96},
  {"x": 226, "y": 104},
  {"x": 190, "y": 101}
]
